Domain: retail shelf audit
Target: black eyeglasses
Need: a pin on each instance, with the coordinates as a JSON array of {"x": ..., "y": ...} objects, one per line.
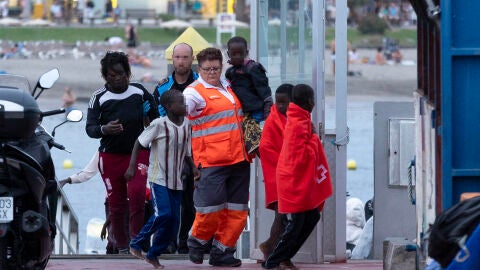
[{"x": 211, "y": 69}]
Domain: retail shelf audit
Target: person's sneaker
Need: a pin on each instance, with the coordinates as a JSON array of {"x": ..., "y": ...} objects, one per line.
[
  {"x": 195, "y": 256},
  {"x": 111, "y": 248},
  {"x": 123, "y": 251},
  {"x": 228, "y": 261},
  {"x": 137, "y": 253},
  {"x": 156, "y": 264}
]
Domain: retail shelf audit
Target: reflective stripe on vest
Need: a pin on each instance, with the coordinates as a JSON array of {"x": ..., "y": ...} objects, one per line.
[
  {"x": 220, "y": 207},
  {"x": 210, "y": 209},
  {"x": 214, "y": 130},
  {"x": 237, "y": 206},
  {"x": 216, "y": 116}
]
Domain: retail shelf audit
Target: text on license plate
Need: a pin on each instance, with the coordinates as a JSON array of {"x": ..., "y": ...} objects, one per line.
[{"x": 6, "y": 209}]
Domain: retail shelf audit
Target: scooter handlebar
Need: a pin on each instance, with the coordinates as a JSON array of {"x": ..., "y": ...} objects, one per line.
[
  {"x": 53, "y": 112},
  {"x": 57, "y": 145}
]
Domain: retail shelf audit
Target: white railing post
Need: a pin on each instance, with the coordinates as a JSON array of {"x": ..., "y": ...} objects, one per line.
[{"x": 66, "y": 221}]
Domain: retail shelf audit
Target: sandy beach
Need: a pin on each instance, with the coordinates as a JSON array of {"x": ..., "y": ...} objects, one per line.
[{"x": 83, "y": 74}]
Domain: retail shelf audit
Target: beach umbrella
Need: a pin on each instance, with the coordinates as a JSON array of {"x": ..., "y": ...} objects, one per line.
[
  {"x": 175, "y": 24},
  {"x": 191, "y": 37}
]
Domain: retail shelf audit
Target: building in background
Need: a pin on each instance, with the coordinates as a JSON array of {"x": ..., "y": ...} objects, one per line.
[{"x": 183, "y": 9}]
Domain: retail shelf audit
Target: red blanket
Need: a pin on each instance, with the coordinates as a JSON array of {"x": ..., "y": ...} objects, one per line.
[
  {"x": 303, "y": 176},
  {"x": 270, "y": 146}
]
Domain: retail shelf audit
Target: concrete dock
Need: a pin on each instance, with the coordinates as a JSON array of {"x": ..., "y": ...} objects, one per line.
[{"x": 120, "y": 262}]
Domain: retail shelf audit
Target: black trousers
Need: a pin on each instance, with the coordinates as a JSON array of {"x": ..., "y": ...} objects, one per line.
[
  {"x": 298, "y": 227},
  {"x": 187, "y": 214}
]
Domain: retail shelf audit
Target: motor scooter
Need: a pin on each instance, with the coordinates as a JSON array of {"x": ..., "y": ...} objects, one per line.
[{"x": 27, "y": 175}]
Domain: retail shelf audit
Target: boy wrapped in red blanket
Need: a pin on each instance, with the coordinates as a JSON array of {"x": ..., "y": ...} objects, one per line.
[
  {"x": 270, "y": 146},
  {"x": 303, "y": 178}
]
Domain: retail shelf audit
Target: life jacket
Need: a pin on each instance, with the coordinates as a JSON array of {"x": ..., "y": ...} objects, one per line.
[{"x": 217, "y": 136}]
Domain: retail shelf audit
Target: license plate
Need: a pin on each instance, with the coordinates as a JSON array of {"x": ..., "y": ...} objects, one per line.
[{"x": 6, "y": 209}]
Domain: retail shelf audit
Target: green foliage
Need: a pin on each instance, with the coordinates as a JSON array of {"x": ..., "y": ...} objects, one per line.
[
  {"x": 372, "y": 24},
  {"x": 407, "y": 37},
  {"x": 65, "y": 34}
]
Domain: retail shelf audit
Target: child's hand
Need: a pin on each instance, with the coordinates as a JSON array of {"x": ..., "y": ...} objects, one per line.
[
  {"x": 268, "y": 103},
  {"x": 103, "y": 233},
  {"x": 146, "y": 121},
  {"x": 112, "y": 128},
  {"x": 130, "y": 173},
  {"x": 196, "y": 174},
  {"x": 314, "y": 130},
  {"x": 65, "y": 181}
]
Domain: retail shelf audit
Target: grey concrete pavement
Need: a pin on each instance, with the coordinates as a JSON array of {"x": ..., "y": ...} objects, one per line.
[{"x": 119, "y": 262}]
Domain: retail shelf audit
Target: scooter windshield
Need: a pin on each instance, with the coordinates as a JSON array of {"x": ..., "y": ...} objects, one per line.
[{"x": 10, "y": 81}]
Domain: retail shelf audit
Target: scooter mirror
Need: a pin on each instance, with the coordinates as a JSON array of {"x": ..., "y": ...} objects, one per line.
[
  {"x": 47, "y": 80},
  {"x": 75, "y": 116}
]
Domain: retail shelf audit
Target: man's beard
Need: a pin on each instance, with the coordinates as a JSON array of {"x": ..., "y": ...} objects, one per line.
[{"x": 182, "y": 71}]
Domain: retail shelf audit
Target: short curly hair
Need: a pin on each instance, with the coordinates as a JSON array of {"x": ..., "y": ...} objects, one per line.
[
  {"x": 302, "y": 95},
  {"x": 168, "y": 96},
  {"x": 112, "y": 58},
  {"x": 286, "y": 89},
  {"x": 237, "y": 39},
  {"x": 209, "y": 54}
]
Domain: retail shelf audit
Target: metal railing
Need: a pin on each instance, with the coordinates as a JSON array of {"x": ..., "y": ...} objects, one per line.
[{"x": 67, "y": 238}]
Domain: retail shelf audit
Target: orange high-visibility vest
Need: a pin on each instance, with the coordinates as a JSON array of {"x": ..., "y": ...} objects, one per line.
[{"x": 217, "y": 136}]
